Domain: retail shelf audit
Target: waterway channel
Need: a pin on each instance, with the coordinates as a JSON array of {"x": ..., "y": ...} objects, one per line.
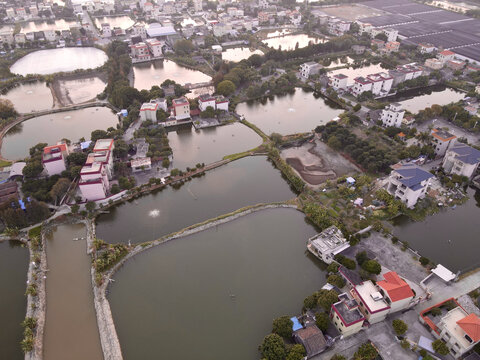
[
  {"x": 287, "y": 114},
  {"x": 449, "y": 238},
  {"x": 28, "y": 97},
  {"x": 208, "y": 145},
  {"x": 71, "y": 324},
  {"x": 241, "y": 183},
  {"x": 156, "y": 72},
  {"x": 52, "y": 128},
  {"x": 213, "y": 295},
  {"x": 59, "y": 60},
  {"x": 13, "y": 302}
]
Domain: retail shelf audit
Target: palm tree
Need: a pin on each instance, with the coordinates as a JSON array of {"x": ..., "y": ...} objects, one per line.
[{"x": 424, "y": 137}]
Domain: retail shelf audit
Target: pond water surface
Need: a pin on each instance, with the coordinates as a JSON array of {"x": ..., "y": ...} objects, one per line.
[
  {"x": 208, "y": 145},
  {"x": 449, "y": 238},
  {"x": 289, "y": 42},
  {"x": 156, "y": 72},
  {"x": 71, "y": 323},
  {"x": 13, "y": 302},
  {"x": 52, "y": 128},
  {"x": 289, "y": 114},
  {"x": 59, "y": 60},
  {"x": 58, "y": 25},
  {"x": 239, "y": 54},
  {"x": 362, "y": 71},
  {"x": 241, "y": 183},
  {"x": 123, "y": 22},
  {"x": 213, "y": 295},
  {"x": 80, "y": 90},
  {"x": 28, "y": 97},
  {"x": 416, "y": 100}
]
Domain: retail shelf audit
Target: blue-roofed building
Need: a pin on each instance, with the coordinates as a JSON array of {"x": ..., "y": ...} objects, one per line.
[
  {"x": 296, "y": 324},
  {"x": 409, "y": 183},
  {"x": 461, "y": 159}
]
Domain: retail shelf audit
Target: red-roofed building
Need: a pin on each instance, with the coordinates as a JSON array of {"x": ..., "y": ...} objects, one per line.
[
  {"x": 396, "y": 291},
  {"x": 442, "y": 140},
  {"x": 471, "y": 325},
  {"x": 445, "y": 56},
  {"x": 53, "y": 159}
]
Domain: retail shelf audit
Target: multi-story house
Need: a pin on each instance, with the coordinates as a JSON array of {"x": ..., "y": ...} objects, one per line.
[
  {"x": 462, "y": 160},
  {"x": 54, "y": 159},
  {"x": 409, "y": 183},
  {"x": 392, "y": 115},
  {"x": 396, "y": 291},
  {"x": 181, "y": 108},
  {"x": 309, "y": 68},
  {"x": 445, "y": 56},
  {"x": 339, "y": 81},
  {"x": 371, "y": 302},
  {"x": 204, "y": 101},
  {"x": 140, "y": 52},
  {"x": 106, "y": 30},
  {"x": 442, "y": 140},
  {"x": 327, "y": 244},
  {"x": 346, "y": 316},
  {"x": 155, "y": 47},
  {"x": 94, "y": 184}
]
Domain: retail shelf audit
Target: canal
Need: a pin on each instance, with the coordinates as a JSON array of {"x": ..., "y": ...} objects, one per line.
[
  {"x": 28, "y": 97},
  {"x": 208, "y": 145},
  {"x": 419, "y": 99},
  {"x": 71, "y": 324},
  {"x": 299, "y": 112},
  {"x": 156, "y": 72},
  {"x": 241, "y": 183},
  {"x": 52, "y": 128},
  {"x": 13, "y": 302},
  {"x": 213, "y": 295},
  {"x": 449, "y": 237},
  {"x": 51, "y": 61}
]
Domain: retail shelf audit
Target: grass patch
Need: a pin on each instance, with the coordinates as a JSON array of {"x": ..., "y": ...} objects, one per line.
[{"x": 4, "y": 163}]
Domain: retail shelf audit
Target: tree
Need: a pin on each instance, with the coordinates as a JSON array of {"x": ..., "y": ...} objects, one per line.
[
  {"x": 76, "y": 158},
  {"x": 90, "y": 206},
  {"x": 98, "y": 134},
  {"x": 361, "y": 257},
  {"x": 273, "y": 347},
  {"x": 208, "y": 113},
  {"x": 399, "y": 326},
  {"x": 321, "y": 319},
  {"x": 276, "y": 138},
  {"x": 372, "y": 267},
  {"x": 357, "y": 107},
  {"x": 424, "y": 261},
  {"x": 59, "y": 189},
  {"x": 7, "y": 109},
  {"x": 255, "y": 60},
  {"x": 440, "y": 347},
  {"x": 75, "y": 208},
  {"x": 32, "y": 169},
  {"x": 183, "y": 47},
  {"x": 121, "y": 148},
  {"x": 365, "y": 352},
  {"x": 338, "y": 357},
  {"x": 226, "y": 88},
  {"x": 336, "y": 280},
  {"x": 326, "y": 298},
  {"x": 381, "y": 36},
  {"x": 297, "y": 352},
  {"x": 283, "y": 326}
]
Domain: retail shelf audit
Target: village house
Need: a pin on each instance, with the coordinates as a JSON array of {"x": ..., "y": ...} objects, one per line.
[
  {"x": 455, "y": 64},
  {"x": 409, "y": 183},
  {"x": 392, "y": 115},
  {"x": 141, "y": 164},
  {"x": 155, "y": 47},
  {"x": 54, "y": 159},
  {"x": 140, "y": 52},
  {"x": 94, "y": 184},
  {"x": 426, "y": 48},
  {"x": 103, "y": 151},
  {"x": 181, "y": 108},
  {"x": 459, "y": 330},
  {"x": 339, "y": 81},
  {"x": 371, "y": 302},
  {"x": 222, "y": 103},
  {"x": 106, "y": 30},
  {"x": 442, "y": 140},
  {"x": 346, "y": 316},
  {"x": 433, "y": 63},
  {"x": 148, "y": 111},
  {"x": 379, "y": 84},
  {"x": 327, "y": 244},
  {"x": 462, "y": 160},
  {"x": 312, "y": 339},
  {"x": 391, "y": 46},
  {"x": 396, "y": 291},
  {"x": 204, "y": 101},
  {"x": 445, "y": 56},
  {"x": 309, "y": 68},
  {"x": 405, "y": 72}
]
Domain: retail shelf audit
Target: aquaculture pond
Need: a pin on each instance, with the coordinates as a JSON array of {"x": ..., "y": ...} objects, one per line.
[
  {"x": 448, "y": 237},
  {"x": 13, "y": 302},
  {"x": 241, "y": 183},
  {"x": 52, "y": 128},
  {"x": 298, "y": 112},
  {"x": 208, "y": 145},
  {"x": 59, "y": 60},
  {"x": 29, "y": 97},
  {"x": 156, "y": 72},
  {"x": 213, "y": 295},
  {"x": 71, "y": 323},
  {"x": 76, "y": 91}
]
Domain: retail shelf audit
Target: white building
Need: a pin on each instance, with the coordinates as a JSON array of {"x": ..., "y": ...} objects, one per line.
[
  {"x": 462, "y": 160},
  {"x": 181, "y": 108},
  {"x": 391, "y": 34},
  {"x": 379, "y": 84},
  {"x": 20, "y": 38},
  {"x": 337, "y": 27},
  {"x": 10, "y": 13},
  {"x": 106, "y": 30},
  {"x": 339, "y": 81},
  {"x": 54, "y": 159},
  {"x": 409, "y": 183},
  {"x": 141, "y": 164},
  {"x": 221, "y": 29},
  {"x": 445, "y": 56},
  {"x": 204, "y": 101},
  {"x": 309, "y": 68},
  {"x": 346, "y": 316},
  {"x": 396, "y": 291},
  {"x": 459, "y": 330},
  {"x": 442, "y": 140},
  {"x": 139, "y": 30},
  {"x": 6, "y": 36},
  {"x": 433, "y": 63},
  {"x": 140, "y": 52},
  {"x": 392, "y": 115},
  {"x": 148, "y": 111},
  {"x": 327, "y": 244},
  {"x": 94, "y": 184},
  {"x": 371, "y": 302},
  {"x": 222, "y": 103},
  {"x": 156, "y": 47},
  {"x": 104, "y": 149},
  {"x": 50, "y": 35},
  {"x": 197, "y": 5},
  {"x": 426, "y": 48}
]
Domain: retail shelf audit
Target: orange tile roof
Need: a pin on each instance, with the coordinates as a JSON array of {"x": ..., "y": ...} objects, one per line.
[
  {"x": 396, "y": 288},
  {"x": 48, "y": 149},
  {"x": 471, "y": 325},
  {"x": 447, "y": 52},
  {"x": 441, "y": 138},
  {"x": 401, "y": 134}
]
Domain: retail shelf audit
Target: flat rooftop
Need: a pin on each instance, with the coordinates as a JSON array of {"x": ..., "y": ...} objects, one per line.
[
  {"x": 330, "y": 240},
  {"x": 367, "y": 292},
  {"x": 450, "y": 321},
  {"x": 348, "y": 314},
  {"x": 103, "y": 144}
]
